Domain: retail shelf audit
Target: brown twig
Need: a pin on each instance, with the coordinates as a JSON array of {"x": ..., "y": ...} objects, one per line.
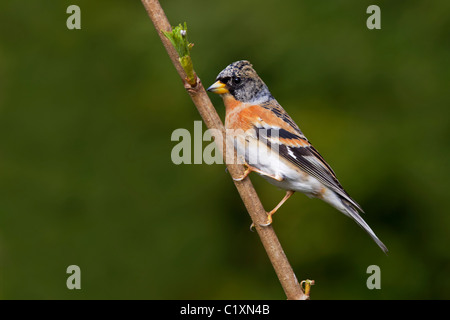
[{"x": 245, "y": 188}]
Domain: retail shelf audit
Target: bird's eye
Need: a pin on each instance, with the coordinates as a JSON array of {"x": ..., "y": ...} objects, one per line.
[
  {"x": 236, "y": 80},
  {"x": 225, "y": 80}
]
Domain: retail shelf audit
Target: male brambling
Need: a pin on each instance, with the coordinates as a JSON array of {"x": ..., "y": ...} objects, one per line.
[{"x": 272, "y": 145}]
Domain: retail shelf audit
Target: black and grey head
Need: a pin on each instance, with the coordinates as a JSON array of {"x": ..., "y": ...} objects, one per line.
[{"x": 241, "y": 81}]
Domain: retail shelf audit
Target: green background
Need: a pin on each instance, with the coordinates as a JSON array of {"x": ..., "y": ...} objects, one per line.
[{"x": 86, "y": 176}]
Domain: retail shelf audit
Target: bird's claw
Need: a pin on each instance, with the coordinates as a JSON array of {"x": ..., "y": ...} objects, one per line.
[
  {"x": 245, "y": 174},
  {"x": 268, "y": 223}
]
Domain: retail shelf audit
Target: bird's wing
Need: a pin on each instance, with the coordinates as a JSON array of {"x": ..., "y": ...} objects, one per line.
[{"x": 275, "y": 126}]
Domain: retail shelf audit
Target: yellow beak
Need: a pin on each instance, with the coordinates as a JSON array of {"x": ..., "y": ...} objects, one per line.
[{"x": 218, "y": 87}]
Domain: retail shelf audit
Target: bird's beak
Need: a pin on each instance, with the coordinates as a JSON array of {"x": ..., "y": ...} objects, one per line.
[{"x": 218, "y": 87}]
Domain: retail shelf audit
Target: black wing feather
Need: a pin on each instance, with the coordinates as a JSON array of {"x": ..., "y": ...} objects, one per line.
[{"x": 318, "y": 168}]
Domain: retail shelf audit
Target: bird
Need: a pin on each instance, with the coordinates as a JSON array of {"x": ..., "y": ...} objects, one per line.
[{"x": 271, "y": 144}]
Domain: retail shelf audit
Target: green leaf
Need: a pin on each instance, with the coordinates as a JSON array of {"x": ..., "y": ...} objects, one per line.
[{"x": 178, "y": 38}]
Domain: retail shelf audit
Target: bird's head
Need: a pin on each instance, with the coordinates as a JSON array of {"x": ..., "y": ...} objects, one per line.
[{"x": 240, "y": 80}]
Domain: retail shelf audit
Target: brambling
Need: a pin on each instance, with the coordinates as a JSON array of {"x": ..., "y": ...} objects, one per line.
[{"x": 271, "y": 144}]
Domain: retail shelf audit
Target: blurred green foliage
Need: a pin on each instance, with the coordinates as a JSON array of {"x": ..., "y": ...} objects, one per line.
[{"x": 86, "y": 177}]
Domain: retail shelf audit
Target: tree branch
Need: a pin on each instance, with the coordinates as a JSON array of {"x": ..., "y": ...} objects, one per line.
[{"x": 245, "y": 188}]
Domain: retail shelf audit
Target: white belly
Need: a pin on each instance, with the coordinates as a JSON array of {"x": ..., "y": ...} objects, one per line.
[{"x": 269, "y": 162}]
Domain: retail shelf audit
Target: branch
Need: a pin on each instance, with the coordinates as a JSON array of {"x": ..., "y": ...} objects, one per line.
[{"x": 245, "y": 188}]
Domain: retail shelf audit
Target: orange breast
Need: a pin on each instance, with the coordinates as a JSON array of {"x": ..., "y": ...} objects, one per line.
[{"x": 230, "y": 102}]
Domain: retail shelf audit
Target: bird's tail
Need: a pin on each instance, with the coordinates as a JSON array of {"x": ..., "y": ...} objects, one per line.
[{"x": 350, "y": 210}]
